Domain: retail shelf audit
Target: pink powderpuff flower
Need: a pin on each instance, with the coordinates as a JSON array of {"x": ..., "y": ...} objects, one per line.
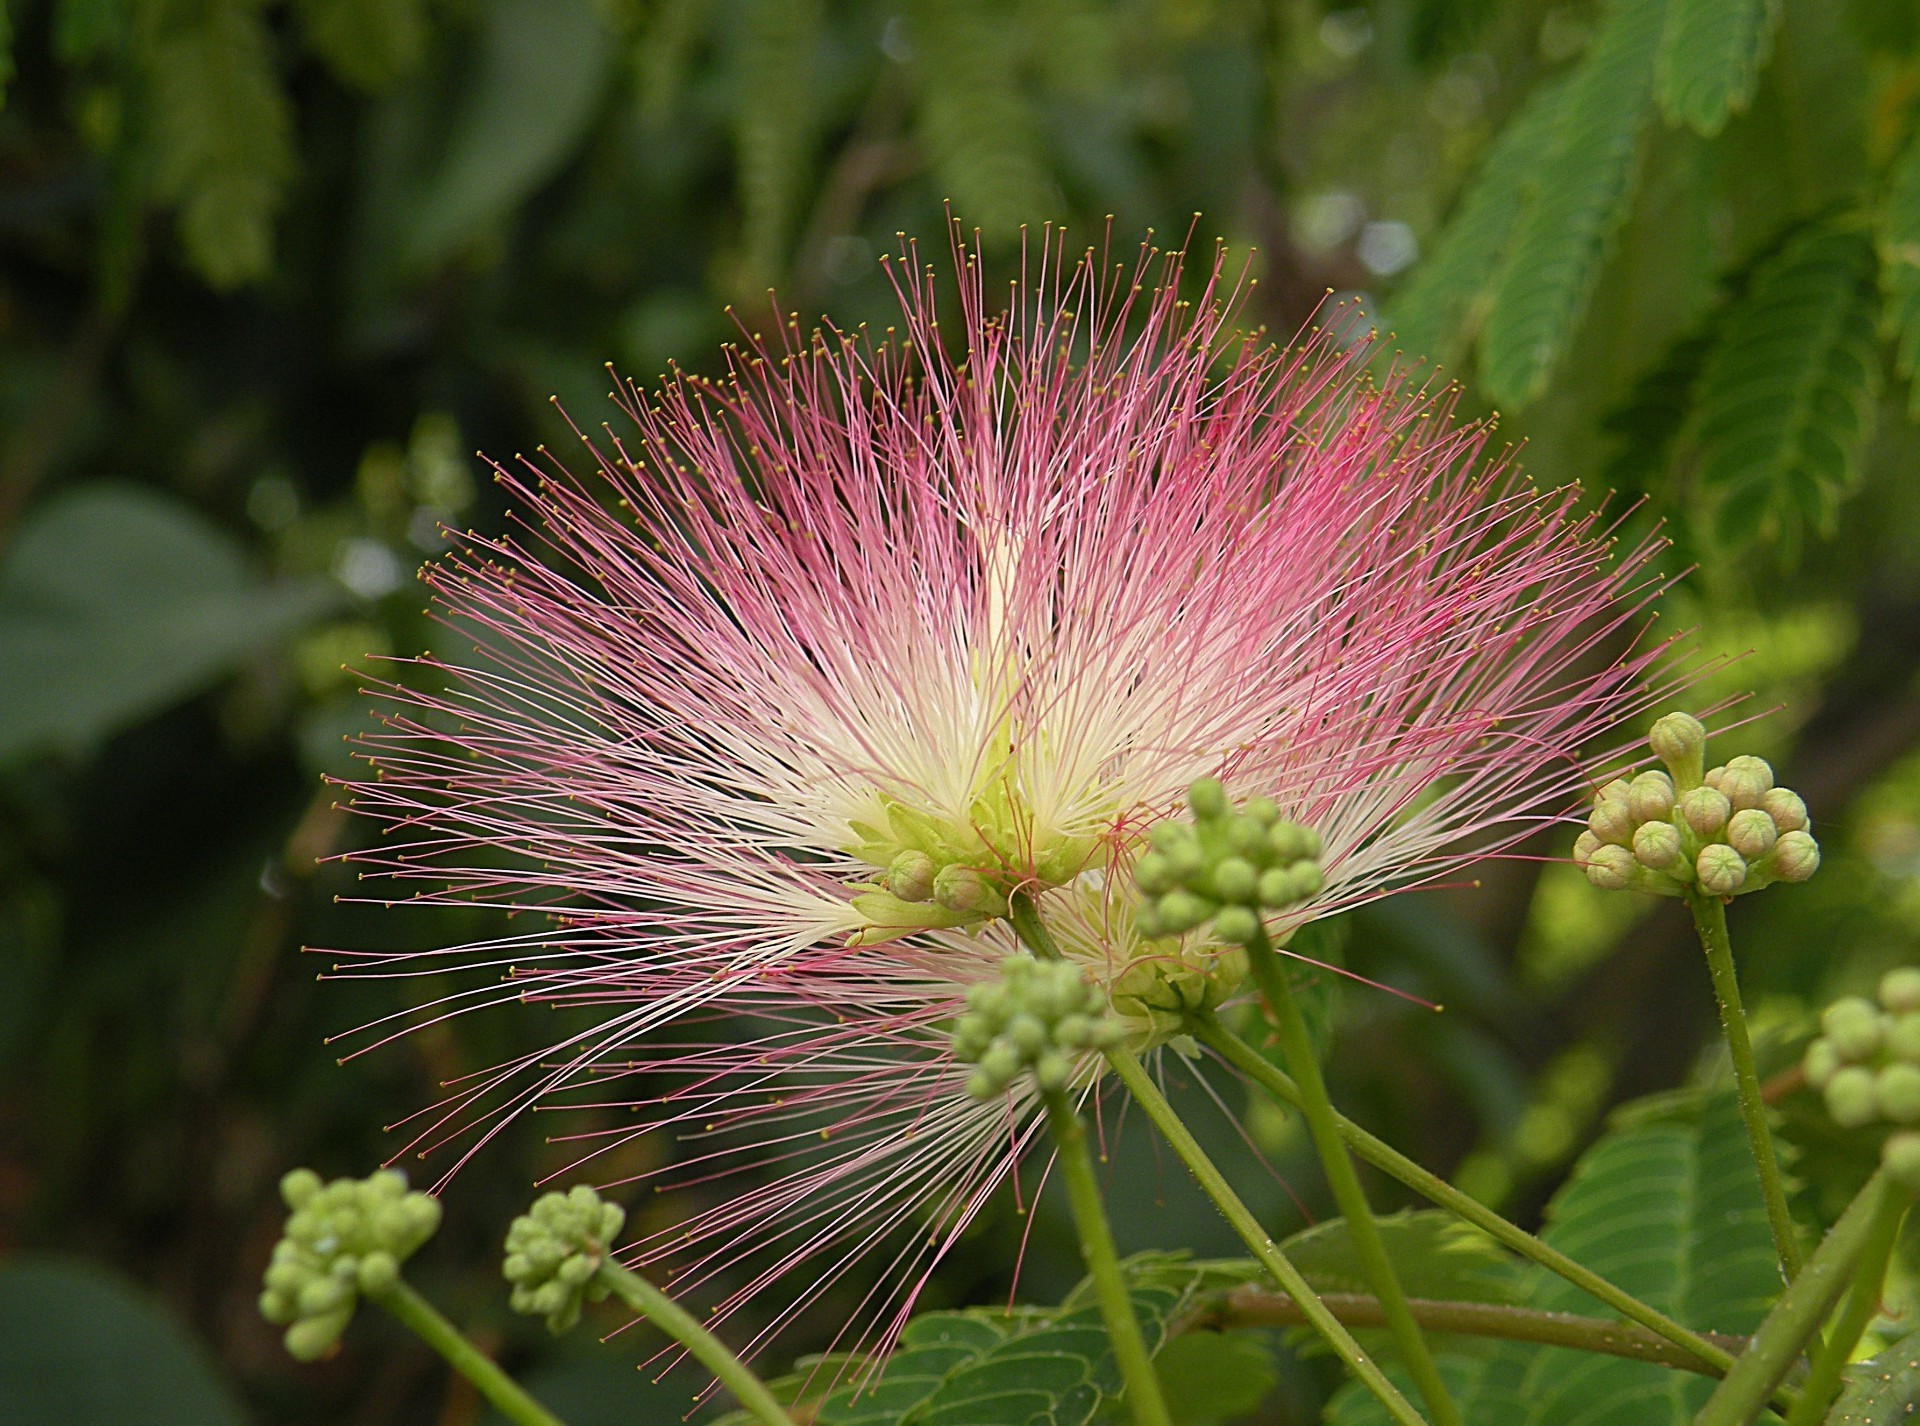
[{"x": 826, "y": 660}]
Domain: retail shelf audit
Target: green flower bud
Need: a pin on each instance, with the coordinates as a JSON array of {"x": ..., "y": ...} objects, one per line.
[
  {"x": 1850, "y": 1097},
  {"x": 1751, "y": 833},
  {"x": 1181, "y": 911},
  {"x": 1052, "y": 1071},
  {"x": 1611, "y": 868},
  {"x": 554, "y": 1252},
  {"x": 1656, "y": 845},
  {"x": 1249, "y": 839},
  {"x": 1208, "y": 799},
  {"x": 1746, "y": 782},
  {"x": 960, "y": 888},
  {"x": 1234, "y": 878},
  {"x": 1721, "y": 869},
  {"x": 1854, "y": 1026},
  {"x": 1237, "y": 925},
  {"x": 1044, "y": 1016},
  {"x": 1705, "y": 811},
  {"x": 1680, "y": 741},
  {"x": 1788, "y": 812},
  {"x": 1615, "y": 791},
  {"x": 378, "y": 1272},
  {"x": 1611, "y": 822},
  {"x": 1900, "y": 1156},
  {"x": 1897, "y": 1091},
  {"x": 1822, "y": 1062},
  {"x": 1584, "y": 846},
  {"x": 1796, "y": 856},
  {"x": 1027, "y": 1034},
  {"x": 299, "y": 1187},
  {"x": 1900, "y": 990},
  {"x": 1903, "y": 1037},
  {"x": 911, "y": 875},
  {"x": 1263, "y": 811},
  {"x": 312, "y": 1338},
  {"x": 1650, "y": 797},
  {"x": 1153, "y": 874}
]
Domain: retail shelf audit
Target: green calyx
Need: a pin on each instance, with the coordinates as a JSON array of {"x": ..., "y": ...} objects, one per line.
[
  {"x": 1040, "y": 1016},
  {"x": 1866, "y": 1065},
  {"x": 1225, "y": 866},
  {"x": 1724, "y": 831},
  {"x": 342, "y": 1240},
  {"x": 554, "y": 1253}
]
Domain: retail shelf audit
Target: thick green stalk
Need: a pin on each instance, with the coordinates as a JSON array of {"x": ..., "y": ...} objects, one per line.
[
  {"x": 1797, "y": 1316},
  {"x": 1863, "y": 1300},
  {"x": 1714, "y": 1358},
  {"x": 423, "y": 1319},
  {"x": 1710, "y": 920},
  {"x": 1296, "y": 1043},
  {"x": 1148, "y": 1096},
  {"x": 1143, "y": 1398},
  {"x": 1257, "y": 1307},
  {"x": 673, "y": 1319}
]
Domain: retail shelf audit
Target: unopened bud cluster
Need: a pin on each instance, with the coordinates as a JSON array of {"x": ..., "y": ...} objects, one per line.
[
  {"x": 1722, "y": 831},
  {"x": 1866, "y": 1064},
  {"x": 1039, "y": 1016},
  {"x": 1226, "y": 867},
  {"x": 554, "y": 1253},
  {"x": 342, "y": 1239}
]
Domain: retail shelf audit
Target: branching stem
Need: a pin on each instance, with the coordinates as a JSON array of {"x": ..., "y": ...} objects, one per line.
[
  {"x": 425, "y": 1321},
  {"x": 673, "y": 1319},
  {"x": 1863, "y": 1300}
]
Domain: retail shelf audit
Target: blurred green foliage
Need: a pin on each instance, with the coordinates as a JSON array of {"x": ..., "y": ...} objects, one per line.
[{"x": 270, "y": 271}]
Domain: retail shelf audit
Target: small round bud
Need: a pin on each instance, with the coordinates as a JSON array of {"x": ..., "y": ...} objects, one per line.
[
  {"x": 1154, "y": 874},
  {"x": 1850, "y": 1097},
  {"x": 378, "y": 1272},
  {"x": 311, "y": 1338},
  {"x": 911, "y": 875},
  {"x": 1584, "y": 846},
  {"x": 1721, "y": 869},
  {"x": 1237, "y": 925},
  {"x": 1680, "y": 741},
  {"x": 1900, "y": 989},
  {"x": 1897, "y": 1091},
  {"x": 1854, "y": 1026},
  {"x": 1822, "y": 1062},
  {"x": 1248, "y": 838},
  {"x": 1705, "y": 811},
  {"x": 1208, "y": 799},
  {"x": 1900, "y": 1156},
  {"x": 1052, "y": 1071},
  {"x": 299, "y": 1187},
  {"x": 1903, "y": 1037},
  {"x": 1264, "y": 811},
  {"x": 1650, "y": 797},
  {"x": 1714, "y": 777},
  {"x": 1746, "y": 782},
  {"x": 1656, "y": 845},
  {"x": 960, "y": 888},
  {"x": 1611, "y": 868},
  {"x": 1027, "y": 1034},
  {"x": 1796, "y": 856},
  {"x": 1611, "y": 822},
  {"x": 1615, "y": 791},
  {"x": 1751, "y": 833},
  {"x": 1181, "y": 911},
  {"x": 1235, "y": 879},
  {"x": 1788, "y": 812}
]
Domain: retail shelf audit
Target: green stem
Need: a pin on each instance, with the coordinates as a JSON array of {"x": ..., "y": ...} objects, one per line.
[
  {"x": 1710, "y": 920},
  {"x": 1296, "y": 1043},
  {"x": 1148, "y": 1096},
  {"x": 1382, "y": 1155},
  {"x": 1143, "y": 1398},
  {"x": 1797, "y": 1316},
  {"x": 1869, "y": 1282},
  {"x": 423, "y": 1319},
  {"x": 1257, "y": 1307},
  {"x": 673, "y": 1319}
]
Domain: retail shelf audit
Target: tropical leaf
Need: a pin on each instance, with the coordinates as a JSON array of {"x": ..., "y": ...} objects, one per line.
[
  {"x": 1585, "y": 184},
  {"x": 1711, "y": 54},
  {"x": 220, "y": 135},
  {"x": 1444, "y": 300},
  {"x": 1788, "y": 391},
  {"x": 1899, "y": 234},
  {"x": 1668, "y": 1206},
  {"x": 1883, "y": 1390},
  {"x": 1434, "y": 1254}
]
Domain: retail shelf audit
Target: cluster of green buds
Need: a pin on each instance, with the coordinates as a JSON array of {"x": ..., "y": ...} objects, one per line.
[
  {"x": 1866, "y": 1064},
  {"x": 1227, "y": 867},
  {"x": 1724, "y": 830},
  {"x": 1039, "y": 1016},
  {"x": 554, "y": 1253},
  {"x": 342, "y": 1239}
]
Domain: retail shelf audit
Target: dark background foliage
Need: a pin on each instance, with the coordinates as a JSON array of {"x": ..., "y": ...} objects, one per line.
[{"x": 270, "y": 272}]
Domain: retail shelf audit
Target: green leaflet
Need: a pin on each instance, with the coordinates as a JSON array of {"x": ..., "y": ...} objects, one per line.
[
  {"x": 775, "y": 117},
  {"x": 1788, "y": 391},
  {"x": 1711, "y": 54},
  {"x": 1668, "y": 1205},
  {"x": 975, "y": 119},
  {"x": 1444, "y": 302},
  {"x": 1882, "y": 1391},
  {"x": 1899, "y": 235},
  {"x": 1585, "y": 183},
  {"x": 1434, "y": 1254}
]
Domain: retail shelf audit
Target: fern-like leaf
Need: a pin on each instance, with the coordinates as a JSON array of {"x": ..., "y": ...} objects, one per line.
[
  {"x": 775, "y": 119},
  {"x": 1788, "y": 391},
  {"x": 1711, "y": 54},
  {"x": 1436, "y": 313},
  {"x": 1434, "y": 1255},
  {"x": 1585, "y": 184},
  {"x": 1900, "y": 265}
]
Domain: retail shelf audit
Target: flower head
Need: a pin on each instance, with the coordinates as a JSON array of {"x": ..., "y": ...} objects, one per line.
[{"x": 828, "y": 660}]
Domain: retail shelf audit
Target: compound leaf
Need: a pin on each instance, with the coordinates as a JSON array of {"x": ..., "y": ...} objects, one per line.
[{"x": 1711, "y": 54}]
